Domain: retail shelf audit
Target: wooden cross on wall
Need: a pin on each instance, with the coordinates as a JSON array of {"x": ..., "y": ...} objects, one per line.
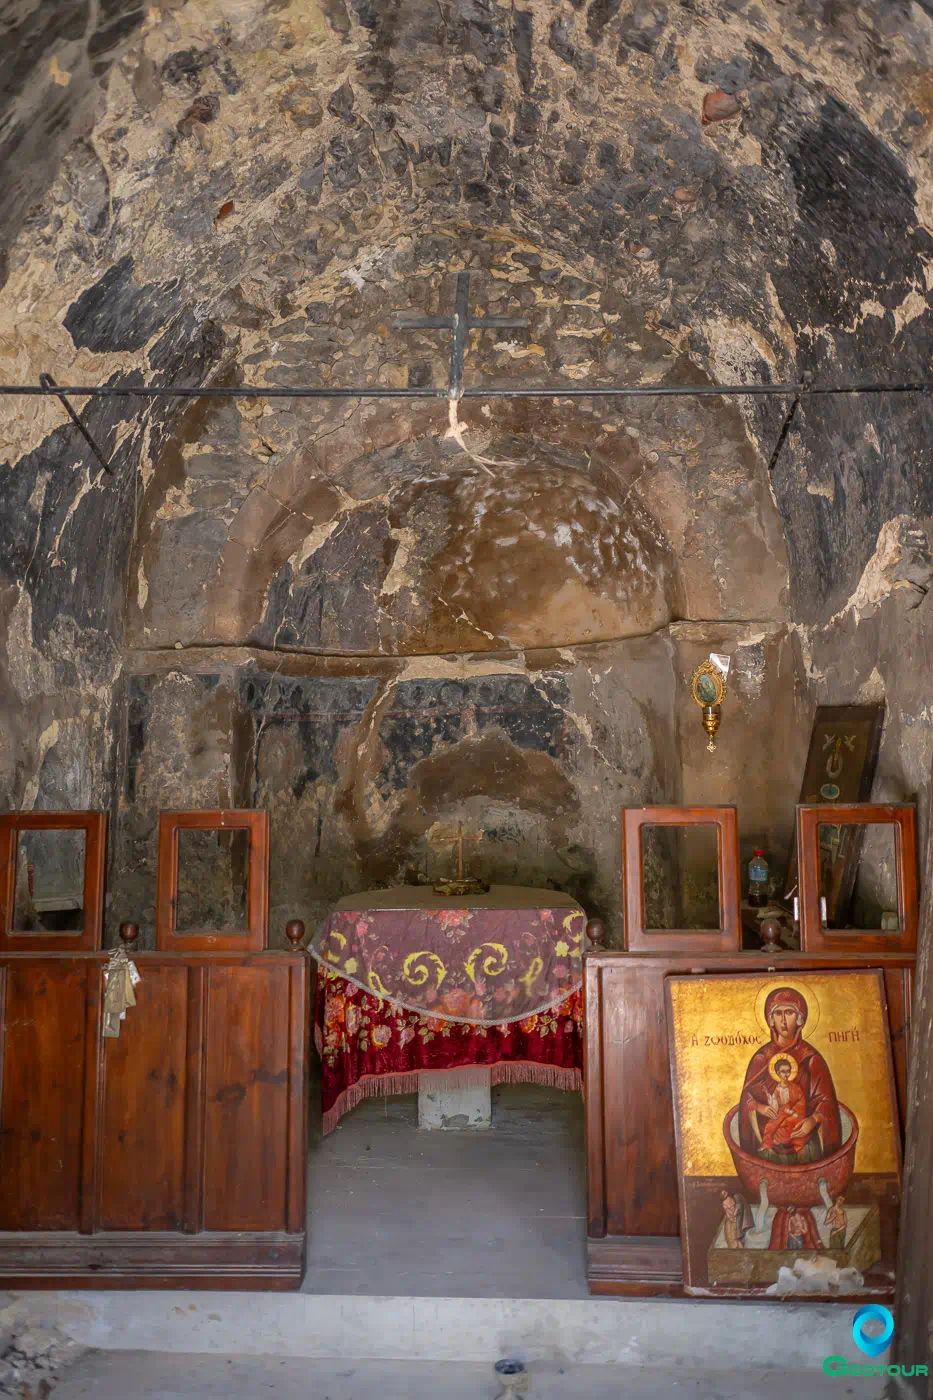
[
  {"x": 460, "y": 322},
  {"x": 459, "y": 839}
]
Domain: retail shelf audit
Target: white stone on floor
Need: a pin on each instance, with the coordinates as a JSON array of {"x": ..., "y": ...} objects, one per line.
[
  {"x": 497, "y": 1214},
  {"x": 158, "y": 1376},
  {"x": 454, "y": 1110}
]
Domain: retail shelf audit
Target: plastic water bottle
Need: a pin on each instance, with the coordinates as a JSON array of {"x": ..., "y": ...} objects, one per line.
[{"x": 758, "y": 880}]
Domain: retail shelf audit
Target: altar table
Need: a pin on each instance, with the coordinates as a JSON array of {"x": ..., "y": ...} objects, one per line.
[{"x": 415, "y": 986}]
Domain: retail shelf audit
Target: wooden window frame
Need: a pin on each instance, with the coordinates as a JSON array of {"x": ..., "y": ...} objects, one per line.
[
  {"x": 254, "y": 938},
  {"x": 814, "y": 936},
  {"x": 639, "y": 939},
  {"x": 84, "y": 940}
]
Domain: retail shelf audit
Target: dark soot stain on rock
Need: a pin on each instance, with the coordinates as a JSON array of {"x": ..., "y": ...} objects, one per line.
[{"x": 117, "y": 313}]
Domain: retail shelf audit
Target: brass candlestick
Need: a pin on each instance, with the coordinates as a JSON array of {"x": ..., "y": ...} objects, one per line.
[{"x": 711, "y": 722}]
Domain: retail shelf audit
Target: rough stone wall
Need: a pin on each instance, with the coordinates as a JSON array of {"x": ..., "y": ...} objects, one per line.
[
  {"x": 367, "y": 764},
  {"x": 708, "y": 192},
  {"x": 878, "y": 647},
  {"x": 54, "y": 56},
  {"x": 66, "y": 531}
]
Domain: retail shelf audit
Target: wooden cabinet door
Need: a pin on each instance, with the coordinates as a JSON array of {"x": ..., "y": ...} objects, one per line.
[
  {"x": 140, "y": 1173},
  {"x": 245, "y": 1099},
  {"x": 173, "y": 1155},
  {"x": 44, "y": 1016}
]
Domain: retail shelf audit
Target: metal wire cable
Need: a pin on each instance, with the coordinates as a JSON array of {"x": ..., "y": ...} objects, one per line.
[{"x": 554, "y": 391}]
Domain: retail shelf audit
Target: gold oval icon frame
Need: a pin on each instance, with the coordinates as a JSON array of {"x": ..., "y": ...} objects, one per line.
[{"x": 706, "y": 668}]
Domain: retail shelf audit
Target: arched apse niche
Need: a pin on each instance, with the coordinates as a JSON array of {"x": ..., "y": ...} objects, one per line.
[
  {"x": 437, "y": 641},
  {"x": 428, "y": 552},
  {"x": 241, "y": 489},
  {"x": 374, "y": 635},
  {"x": 507, "y": 631}
]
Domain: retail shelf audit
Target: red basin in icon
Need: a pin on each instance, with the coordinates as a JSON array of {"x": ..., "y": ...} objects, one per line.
[{"x": 794, "y": 1185}]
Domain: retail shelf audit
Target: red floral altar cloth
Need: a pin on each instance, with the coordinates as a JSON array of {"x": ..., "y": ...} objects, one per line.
[
  {"x": 491, "y": 983},
  {"x": 370, "y": 1047}
]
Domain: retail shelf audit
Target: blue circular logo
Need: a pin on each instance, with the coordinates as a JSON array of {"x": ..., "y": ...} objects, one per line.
[{"x": 872, "y": 1312}]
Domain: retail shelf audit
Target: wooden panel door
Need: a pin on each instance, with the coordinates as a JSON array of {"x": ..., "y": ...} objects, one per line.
[
  {"x": 246, "y": 1106},
  {"x": 44, "y": 1030},
  {"x": 141, "y": 1115}
]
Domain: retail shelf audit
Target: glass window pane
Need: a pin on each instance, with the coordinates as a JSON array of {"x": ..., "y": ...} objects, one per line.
[
  {"x": 681, "y": 876},
  {"x": 858, "y": 876},
  {"x": 213, "y": 868},
  {"x": 49, "y": 891}
]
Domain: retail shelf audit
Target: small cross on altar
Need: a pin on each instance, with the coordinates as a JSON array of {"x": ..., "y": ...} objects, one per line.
[{"x": 459, "y": 839}]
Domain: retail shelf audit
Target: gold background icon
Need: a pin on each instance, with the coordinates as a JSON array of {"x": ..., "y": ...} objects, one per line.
[{"x": 710, "y": 1074}]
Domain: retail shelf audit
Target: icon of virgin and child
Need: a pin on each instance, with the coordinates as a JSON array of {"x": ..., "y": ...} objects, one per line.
[
  {"x": 788, "y": 1111},
  {"x": 788, "y": 1114}
]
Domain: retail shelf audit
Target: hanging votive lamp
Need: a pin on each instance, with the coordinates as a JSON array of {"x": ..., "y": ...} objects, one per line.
[{"x": 708, "y": 688}]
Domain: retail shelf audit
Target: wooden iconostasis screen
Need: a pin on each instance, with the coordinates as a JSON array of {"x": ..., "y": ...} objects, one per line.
[
  {"x": 635, "y": 1201},
  {"x": 173, "y": 1155}
]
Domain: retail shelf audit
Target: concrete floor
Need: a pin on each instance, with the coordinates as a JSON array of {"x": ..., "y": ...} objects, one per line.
[
  {"x": 415, "y": 1237},
  {"x": 495, "y": 1213},
  {"x": 144, "y": 1375}
]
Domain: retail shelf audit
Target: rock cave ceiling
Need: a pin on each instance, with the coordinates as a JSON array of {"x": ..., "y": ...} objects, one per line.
[{"x": 701, "y": 192}]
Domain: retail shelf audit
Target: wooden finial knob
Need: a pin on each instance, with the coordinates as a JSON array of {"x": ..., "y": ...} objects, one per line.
[
  {"x": 295, "y": 932},
  {"x": 596, "y": 932},
  {"x": 129, "y": 932}
]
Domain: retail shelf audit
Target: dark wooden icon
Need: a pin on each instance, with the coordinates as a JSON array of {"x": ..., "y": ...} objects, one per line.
[{"x": 840, "y": 767}]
